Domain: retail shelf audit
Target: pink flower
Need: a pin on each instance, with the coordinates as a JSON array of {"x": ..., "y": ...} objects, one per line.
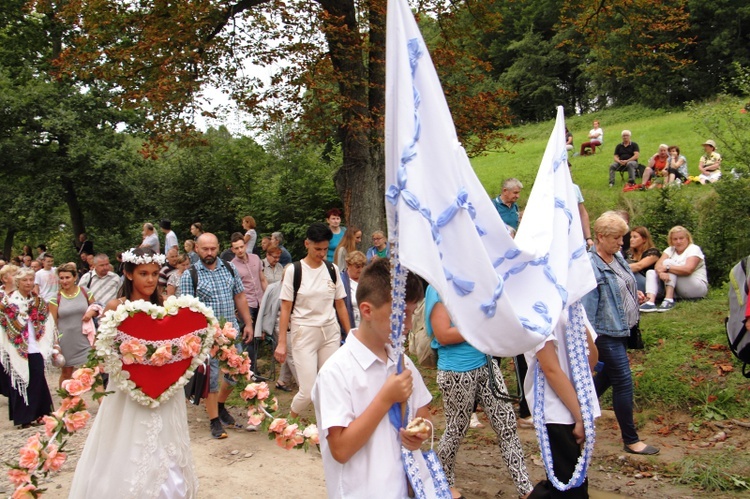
[
  {"x": 290, "y": 430},
  {"x": 285, "y": 443},
  {"x": 69, "y": 403},
  {"x": 274, "y": 405},
  {"x": 75, "y": 387},
  {"x": 229, "y": 331},
  {"x": 25, "y": 492},
  {"x": 255, "y": 416},
  {"x": 133, "y": 352},
  {"x": 86, "y": 376},
  {"x": 54, "y": 459},
  {"x": 18, "y": 477},
  {"x": 76, "y": 421},
  {"x": 263, "y": 391},
  {"x": 190, "y": 346},
  {"x": 50, "y": 425},
  {"x": 250, "y": 391},
  {"x": 311, "y": 433},
  {"x": 277, "y": 425},
  {"x": 35, "y": 442},
  {"x": 29, "y": 457},
  {"x": 234, "y": 359},
  {"x": 162, "y": 355}
]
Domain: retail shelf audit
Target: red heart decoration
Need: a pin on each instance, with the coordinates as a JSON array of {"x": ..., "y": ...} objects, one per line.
[{"x": 155, "y": 380}]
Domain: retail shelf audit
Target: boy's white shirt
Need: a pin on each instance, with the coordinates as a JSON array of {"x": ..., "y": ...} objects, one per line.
[
  {"x": 346, "y": 385},
  {"x": 554, "y": 409}
]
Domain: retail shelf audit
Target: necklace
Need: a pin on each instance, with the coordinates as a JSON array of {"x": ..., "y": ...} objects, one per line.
[{"x": 69, "y": 296}]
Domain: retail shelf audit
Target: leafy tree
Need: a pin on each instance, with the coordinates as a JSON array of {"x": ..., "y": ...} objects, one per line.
[{"x": 159, "y": 54}]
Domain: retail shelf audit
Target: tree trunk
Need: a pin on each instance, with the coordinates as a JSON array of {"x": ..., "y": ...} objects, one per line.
[
  {"x": 8, "y": 245},
  {"x": 359, "y": 181},
  {"x": 74, "y": 207}
]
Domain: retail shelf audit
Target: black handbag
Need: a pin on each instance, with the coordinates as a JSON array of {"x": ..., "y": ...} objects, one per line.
[{"x": 635, "y": 340}]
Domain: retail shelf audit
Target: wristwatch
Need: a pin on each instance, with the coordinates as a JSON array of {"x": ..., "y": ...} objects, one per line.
[{"x": 667, "y": 267}]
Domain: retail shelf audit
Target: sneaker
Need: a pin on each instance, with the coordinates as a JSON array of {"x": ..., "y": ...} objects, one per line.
[
  {"x": 474, "y": 422},
  {"x": 666, "y": 306},
  {"x": 611, "y": 184},
  {"x": 217, "y": 431},
  {"x": 251, "y": 427},
  {"x": 648, "y": 307},
  {"x": 226, "y": 418}
]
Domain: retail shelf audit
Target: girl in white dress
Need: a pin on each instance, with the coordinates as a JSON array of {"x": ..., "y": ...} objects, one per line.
[{"x": 134, "y": 451}]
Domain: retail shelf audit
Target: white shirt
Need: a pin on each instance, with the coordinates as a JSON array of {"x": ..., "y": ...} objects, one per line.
[
  {"x": 314, "y": 305},
  {"x": 353, "y": 285},
  {"x": 346, "y": 385},
  {"x": 170, "y": 239},
  {"x": 151, "y": 241},
  {"x": 554, "y": 408},
  {"x": 47, "y": 282},
  {"x": 595, "y": 131},
  {"x": 691, "y": 250}
]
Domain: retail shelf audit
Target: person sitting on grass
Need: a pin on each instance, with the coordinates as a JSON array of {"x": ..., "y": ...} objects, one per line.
[
  {"x": 710, "y": 164},
  {"x": 356, "y": 388},
  {"x": 681, "y": 270},
  {"x": 677, "y": 168},
  {"x": 626, "y": 159},
  {"x": 657, "y": 165},
  {"x": 642, "y": 255}
]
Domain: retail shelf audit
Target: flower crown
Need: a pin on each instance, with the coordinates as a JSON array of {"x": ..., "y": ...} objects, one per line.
[{"x": 130, "y": 257}]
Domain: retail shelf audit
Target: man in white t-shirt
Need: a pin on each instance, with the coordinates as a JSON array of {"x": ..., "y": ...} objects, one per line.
[
  {"x": 45, "y": 280},
  {"x": 170, "y": 238},
  {"x": 150, "y": 239},
  {"x": 311, "y": 312}
]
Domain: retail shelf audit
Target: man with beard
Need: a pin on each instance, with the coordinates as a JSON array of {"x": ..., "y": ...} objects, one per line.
[{"x": 218, "y": 285}]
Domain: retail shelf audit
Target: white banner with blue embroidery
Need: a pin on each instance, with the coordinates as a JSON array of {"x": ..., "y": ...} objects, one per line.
[{"x": 504, "y": 295}]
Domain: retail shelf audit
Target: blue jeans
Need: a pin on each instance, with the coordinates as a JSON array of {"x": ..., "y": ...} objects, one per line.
[{"x": 616, "y": 373}]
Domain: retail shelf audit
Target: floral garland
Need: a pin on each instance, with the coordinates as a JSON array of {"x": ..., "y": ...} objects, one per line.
[
  {"x": 130, "y": 257},
  {"x": 110, "y": 341},
  {"x": 159, "y": 353},
  {"x": 18, "y": 333},
  {"x": 262, "y": 405},
  {"x": 43, "y": 454}
]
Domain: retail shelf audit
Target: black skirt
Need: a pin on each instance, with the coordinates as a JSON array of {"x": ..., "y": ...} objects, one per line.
[
  {"x": 40, "y": 400},
  {"x": 4, "y": 382}
]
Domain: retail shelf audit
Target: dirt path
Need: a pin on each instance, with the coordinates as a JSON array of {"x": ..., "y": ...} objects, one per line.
[{"x": 248, "y": 465}]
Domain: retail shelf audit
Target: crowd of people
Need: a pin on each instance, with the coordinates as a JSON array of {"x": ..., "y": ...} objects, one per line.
[
  {"x": 667, "y": 167},
  {"x": 330, "y": 320}
]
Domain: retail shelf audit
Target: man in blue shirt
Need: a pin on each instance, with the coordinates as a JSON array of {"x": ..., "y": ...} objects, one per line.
[
  {"x": 505, "y": 203},
  {"x": 220, "y": 287}
]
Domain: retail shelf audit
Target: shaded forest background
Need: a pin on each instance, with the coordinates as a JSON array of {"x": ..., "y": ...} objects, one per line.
[{"x": 98, "y": 99}]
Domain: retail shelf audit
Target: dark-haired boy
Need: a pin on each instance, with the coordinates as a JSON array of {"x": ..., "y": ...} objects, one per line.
[{"x": 354, "y": 391}]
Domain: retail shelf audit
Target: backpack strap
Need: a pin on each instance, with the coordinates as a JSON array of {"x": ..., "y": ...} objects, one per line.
[
  {"x": 194, "y": 278},
  {"x": 297, "y": 281}
]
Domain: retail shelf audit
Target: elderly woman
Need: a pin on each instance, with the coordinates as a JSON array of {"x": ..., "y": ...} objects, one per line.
[
  {"x": 681, "y": 270},
  {"x": 612, "y": 308},
  {"x": 709, "y": 164},
  {"x": 466, "y": 375},
  {"x": 70, "y": 310},
  {"x": 657, "y": 165},
  {"x": 642, "y": 255},
  {"x": 7, "y": 286},
  {"x": 26, "y": 340}
]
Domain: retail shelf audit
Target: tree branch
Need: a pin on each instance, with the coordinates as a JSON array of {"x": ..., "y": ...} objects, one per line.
[{"x": 230, "y": 12}]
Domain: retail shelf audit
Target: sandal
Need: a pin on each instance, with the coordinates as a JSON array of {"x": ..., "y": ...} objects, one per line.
[{"x": 283, "y": 388}]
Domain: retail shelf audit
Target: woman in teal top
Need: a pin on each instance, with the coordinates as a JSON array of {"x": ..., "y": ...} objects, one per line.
[
  {"x": 333, "y": 217},
  {"x": 464, "y": 377}
]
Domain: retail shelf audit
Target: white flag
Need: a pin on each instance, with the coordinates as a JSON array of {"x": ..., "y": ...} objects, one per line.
[{"x": 504, "y": 295}]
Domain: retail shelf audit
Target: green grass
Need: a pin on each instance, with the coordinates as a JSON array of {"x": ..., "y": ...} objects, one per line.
[
  {"x": 649, "y": 127},
  {"x": 679, "y": 369}
]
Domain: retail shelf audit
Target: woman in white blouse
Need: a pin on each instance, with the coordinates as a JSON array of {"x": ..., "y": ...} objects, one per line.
[{"x": 681, "y": 270}]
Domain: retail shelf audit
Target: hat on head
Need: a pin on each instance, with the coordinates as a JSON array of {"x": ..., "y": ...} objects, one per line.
[
  {"x": 165, "y": 224},
  {"x": 710, "y": 143}
]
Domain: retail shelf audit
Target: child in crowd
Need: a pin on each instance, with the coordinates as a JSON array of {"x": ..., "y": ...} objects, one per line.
[
  {"x": 355, "y": 389},
  {"x": 562, "y": 412}
]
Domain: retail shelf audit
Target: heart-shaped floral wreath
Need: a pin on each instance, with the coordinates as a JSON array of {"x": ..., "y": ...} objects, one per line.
[{"x": 151, "y": 351}]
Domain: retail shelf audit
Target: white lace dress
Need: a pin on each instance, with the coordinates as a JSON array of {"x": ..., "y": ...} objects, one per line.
[{"x": 136, "y": 452}]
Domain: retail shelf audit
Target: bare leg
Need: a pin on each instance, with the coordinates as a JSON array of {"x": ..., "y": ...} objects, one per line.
[
  {"x": 66, "y": 373},
  {"x": 212, "y": 405}
]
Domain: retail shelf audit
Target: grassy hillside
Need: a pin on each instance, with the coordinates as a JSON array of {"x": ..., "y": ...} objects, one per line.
[
  {"x": 686, "y": 365},
  {"x": 649, "y": 127}
]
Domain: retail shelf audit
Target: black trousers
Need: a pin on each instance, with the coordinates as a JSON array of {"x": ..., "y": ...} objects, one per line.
[{"x": 565, "y": 452}]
